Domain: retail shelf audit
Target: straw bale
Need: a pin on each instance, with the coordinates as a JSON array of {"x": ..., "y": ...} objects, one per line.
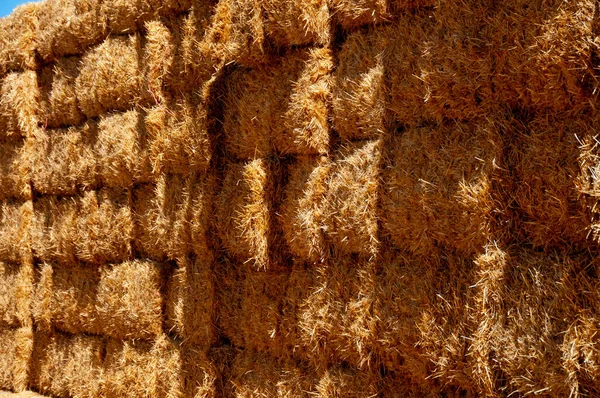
[
  {"x": 190, "y": 302},
  {"x": 236, "y": 33},
  {"x": 17, "y": 39},
  {"x": 291, "y": 119},
  {"x": 122, "y": 149},
  {"x": 249, "y": 307},
  {"x": 543, "y": 53},
  {"x": 295, "y": 23},
  {"x": 129, "y": 299},
  {"x": 343, "y": 381},
  {"x": 459, "y": 86},
  {"x": 301, "y": 212},
  {"x": 163, "y": 368},
  {"x": 14, "y": 176},
  {"x": 104, "y": 227},
  {"x": 335, "y": 312},
  {"x": 243, "y": 210},
  {"x": 360, "y": 89},
  {"x": 162, "y": 214},
  {"x": 15, "y": 238},
  {"x": 124, "y": 16},
  {"x": 24, "y": 394},
  {"x": 16, "y": 293},
  {"x": 351, "y": 14},
  {"x": 305, "y": 124},
  {"x": 546, "y": 171},
  {"x": 121, "y": 300},
  {"x": 67, "y": 365},
  {"x": 19, "y": 96},
  {"x": 525, "y": 304},
  {"x": 16, "y": 346},
  {"x": 58, "y": 105},
  {"x": 192, "y": 63},
  {"x": 63, "y": 161},
  {"x": 110, "y": 77},
  {"x": 254, "y": 374},
  {"x": 159, "y": 56},
  {"x": 68, "y": 27},
  {"x": 201, "y": 217},
  {"x": 581, "y": 356},
  {"x": 178, "y": 137},
  {"x": 444, "y": 325},
  {"x": 54, "y": 228},
  {"x": 66, "y": 299},
  {"x": 352, "y": 199},
  {"x": 437, "y": 187},
  {"x": 404, "y": 288}
]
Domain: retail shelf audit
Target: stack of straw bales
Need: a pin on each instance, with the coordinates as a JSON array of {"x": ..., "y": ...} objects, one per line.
[{"x": 329, "y": 198}]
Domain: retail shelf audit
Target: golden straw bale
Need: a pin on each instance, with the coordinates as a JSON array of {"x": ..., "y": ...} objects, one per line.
[
  {"x": 111, "y": 76},
  {"x": 68, "y": 27},
  {"x": 120, "y": 300},
  {"x": 67, "y": 366},
  {"x": 249, "y": 307},
  {"x": 129, "y": 301},
  {"x": 104, "y": 227},
  {"x": 15, "y": 231},
  {"x": 125, "y": 16},
  {"x": 16, "y": 294},
  {"x": 16, "y": 346},
  {"x": 159, "y": 56},
  {"x": 65, "y": 298},
  {"x": 360, "y": 88},
  {"x": 190, "y": 57},
  {"x": 292, "y": 119},
  {"x": 546, "y": 172},
  {"x": 404, "y": 287},
  {"x": 526, "y": 302},
  {"x": 254, "y": 374},
  {"x": 343, "y": 381},
  {"x": 350, "y": 214},
  {"x": 63, "y": 161},
  {"x": 581, "y": 356},
  {"x": 543, "y": 53},
  {"x": 335, "y": 312},
  {"x": 293, "y": 23},
  {"x": 351, "y": 14},
  {"x": 178, "y": 137},
  {"x": 305, "y": 121},
  {"x": 301, "y": 212},
  {"x": 243, "y": 211},
  {"x": 163, "y": 368},
  {"x": 236, "y": 33},
  {"x": 42, "y": 299},
  {"x": 24, "y": 394},
  {"x": 444, "y": 324},
  {"x": 202, "y": 214},
  {"x": 58, "y": 104},
  {"x": 17, "y": 38},
  {"x": 437, "y": 186},
  {"x": 162, "y": 214},
  {"x": 190, "y": 302},
  {"x": 457, "y": 87},
  {"x": 19, "y": 96},
  {"x": 122, "y": 149},
  {"x": 54, "y": 228},
  {"x": 14, "y": 174}
]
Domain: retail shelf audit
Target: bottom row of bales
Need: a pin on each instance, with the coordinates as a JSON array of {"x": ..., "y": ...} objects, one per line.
[{"x": 512, "y": 321}]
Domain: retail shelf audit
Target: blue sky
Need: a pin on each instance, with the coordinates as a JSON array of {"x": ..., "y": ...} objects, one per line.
[{"x": 7, "y": 6}]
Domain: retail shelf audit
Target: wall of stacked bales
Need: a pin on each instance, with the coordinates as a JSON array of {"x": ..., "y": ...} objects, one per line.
[{"x": 340, "y": 198}]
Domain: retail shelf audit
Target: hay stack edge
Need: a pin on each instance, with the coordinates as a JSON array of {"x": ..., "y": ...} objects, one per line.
[{"x": 333, "y": 198}]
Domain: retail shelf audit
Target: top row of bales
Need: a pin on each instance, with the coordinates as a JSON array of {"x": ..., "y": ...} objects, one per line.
[{"x": 529, "y": 48}]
